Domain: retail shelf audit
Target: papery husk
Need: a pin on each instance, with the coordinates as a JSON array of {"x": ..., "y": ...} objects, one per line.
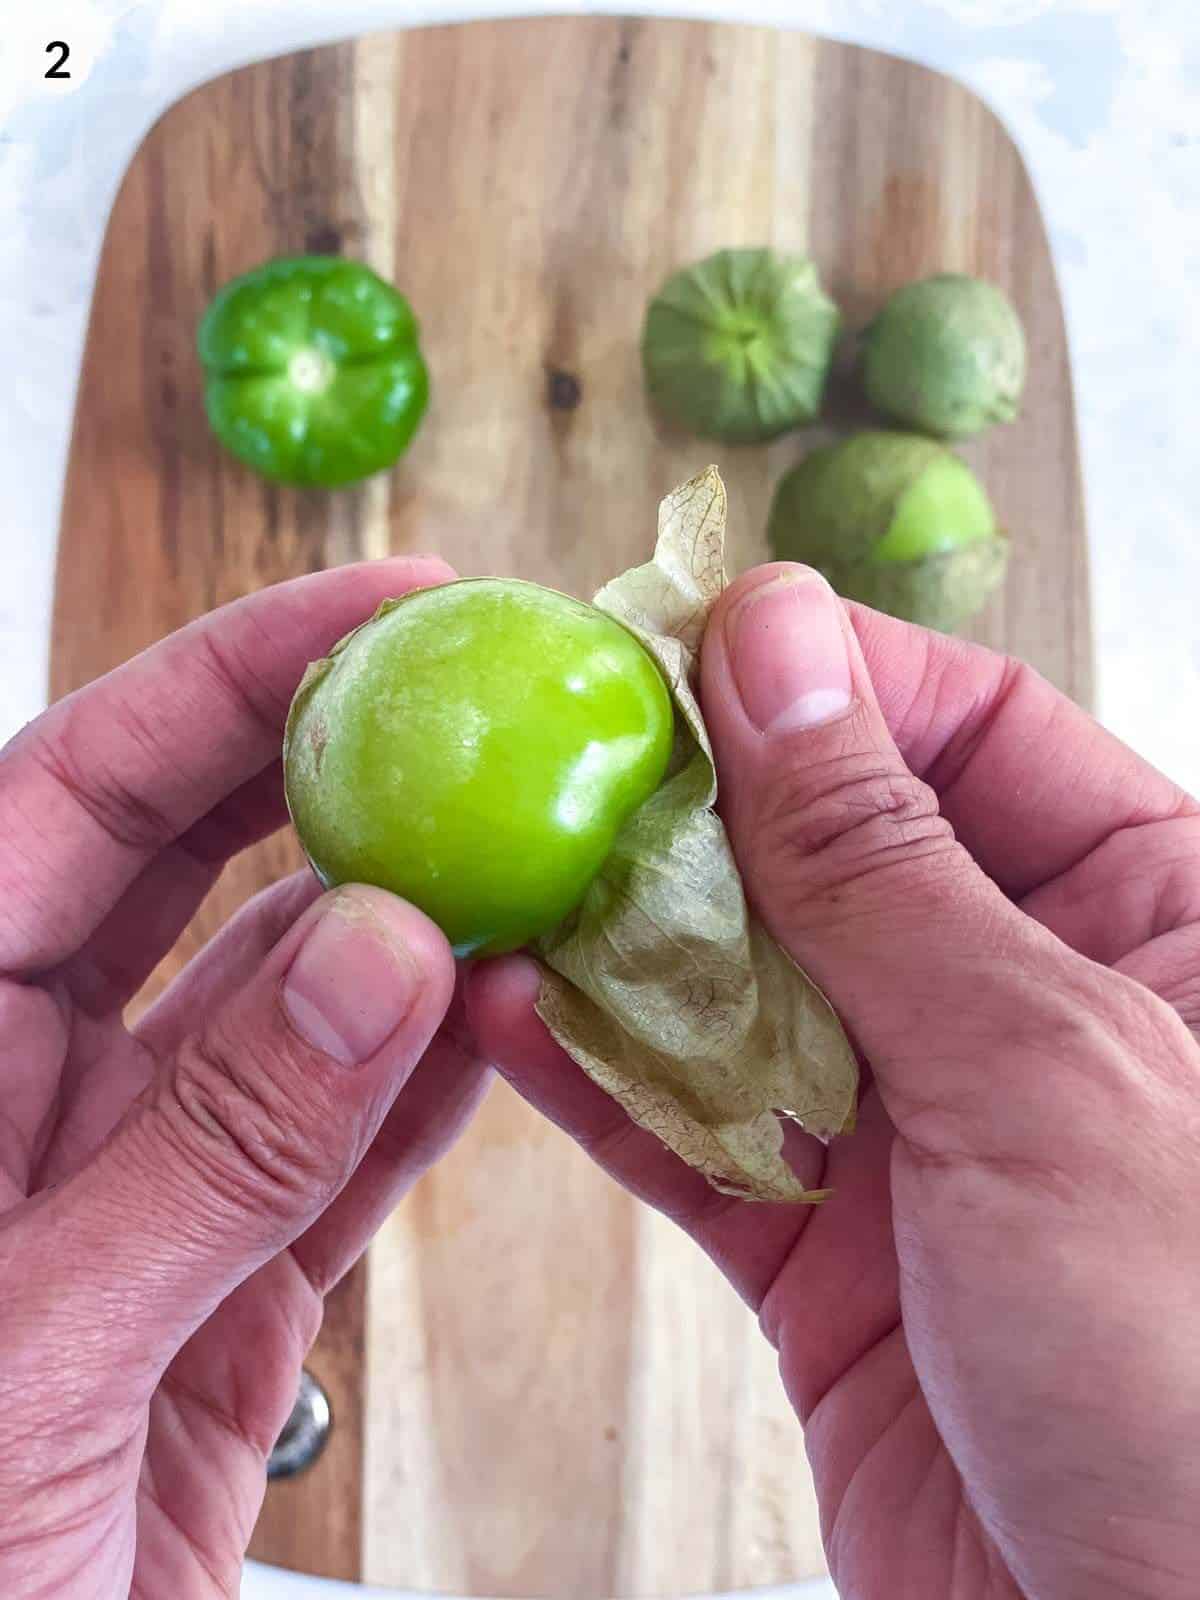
[
  {"x": 738, "y": 346},
  {"x": 941, "y": 591},
  {"x": 662, "y": 985},
  {"x": 946, "y": 355}
]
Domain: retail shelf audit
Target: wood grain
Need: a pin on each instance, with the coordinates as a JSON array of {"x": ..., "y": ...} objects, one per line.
[{"x": 541, "y": 1389}]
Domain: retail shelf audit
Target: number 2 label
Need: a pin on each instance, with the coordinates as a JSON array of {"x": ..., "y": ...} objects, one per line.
[{"x": 55, "y": 69}]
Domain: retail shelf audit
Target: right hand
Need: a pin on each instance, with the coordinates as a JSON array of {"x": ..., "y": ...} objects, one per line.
[{"x": 990, "y": 1331}]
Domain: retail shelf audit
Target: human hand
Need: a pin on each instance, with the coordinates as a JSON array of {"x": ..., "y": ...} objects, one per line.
[
  {"x": 175, "y": 1200},
  {"x": 989, "y": 1331}
]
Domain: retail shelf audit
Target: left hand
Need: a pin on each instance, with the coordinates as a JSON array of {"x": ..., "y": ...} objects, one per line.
[{"x": 175, "y": 1200}]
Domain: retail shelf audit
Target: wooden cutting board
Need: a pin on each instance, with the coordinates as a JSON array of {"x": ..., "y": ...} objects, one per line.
[{"x": 538, "y": 1388}]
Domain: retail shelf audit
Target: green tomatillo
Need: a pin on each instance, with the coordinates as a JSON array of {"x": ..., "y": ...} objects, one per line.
[
  {"x": 896, "y": 521},
  {"x": 947, "y": 356},
  {"x": 475, "y": 748},
  {"x": 738, "y": 346},
  {"x": 313, "y": 375}
]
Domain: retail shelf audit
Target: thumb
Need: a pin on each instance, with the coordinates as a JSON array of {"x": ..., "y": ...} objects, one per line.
[
  {"x": 852, "y": 869},
  {"x": 250, "y": 1130}
]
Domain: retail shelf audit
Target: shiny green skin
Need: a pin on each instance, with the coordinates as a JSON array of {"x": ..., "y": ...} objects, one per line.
[
  {"x": 946, "y": 356},
  {"x": 894, "y": 520},
  {"x": 475, "y": 748},
  {"x": 313, "y": 376},
  {"x": 738, "y": 346}
]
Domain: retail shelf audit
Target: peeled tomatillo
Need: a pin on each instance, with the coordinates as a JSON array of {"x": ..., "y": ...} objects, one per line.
[
  {"x": 475, "y": 748},
  {"x": 312, "y": 372}
]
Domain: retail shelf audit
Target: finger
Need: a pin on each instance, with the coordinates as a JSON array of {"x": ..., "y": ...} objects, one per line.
[
  {"x": 95, "y": 788},
  {"x": 773, "y": 1255},
  {"x": 955, "y": 996},
  {"x": 244, "y": 1139},
  {"x": 107, "y": 1069},
  {"x": 1133, "y": 903},
  {"x": 239, "y": 1370},
  {"x": 966, "y": 721},
  {"x": 437, "y": 1104},
  {"x": 212, "y": 978},
  {"x": 77, "y": 1074},
  {"x": 1170, "y": 966},
  {"x": 1137, "y": 886},
  {"x": 1100, "y": 848},
  {"x": 747, "y": 1241},
  {"x": 35, "y": 1037},
  {"x": 145, "y": 923}
]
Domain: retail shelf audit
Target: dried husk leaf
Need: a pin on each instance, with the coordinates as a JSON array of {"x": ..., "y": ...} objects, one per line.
[
  {"x": 738, "y": 346},
  {"x": 662, "y": 986},
  {"x": 946, "y": 355},
  {"x": 941, "y": 591}
]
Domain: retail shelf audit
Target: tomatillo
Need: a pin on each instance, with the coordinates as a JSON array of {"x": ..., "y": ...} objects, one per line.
[
  {"x": 896, "y": 521},
  {"x": 946, "y": 355},
  {"x": 313, "y": 375},
  {"x": 475, "y": 748},
  {"x": 738, "y": 346}
]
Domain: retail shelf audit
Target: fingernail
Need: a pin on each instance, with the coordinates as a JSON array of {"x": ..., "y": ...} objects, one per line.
[
  {"x": 789, "y": 654},
  {"x": 352, "y": 983}
]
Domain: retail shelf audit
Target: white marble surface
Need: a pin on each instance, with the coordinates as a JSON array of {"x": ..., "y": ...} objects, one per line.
[{"x": 1103, "y": 96}]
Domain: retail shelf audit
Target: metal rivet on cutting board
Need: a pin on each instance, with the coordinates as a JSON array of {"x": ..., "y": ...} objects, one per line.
[{"x": 304, "y": 1433}]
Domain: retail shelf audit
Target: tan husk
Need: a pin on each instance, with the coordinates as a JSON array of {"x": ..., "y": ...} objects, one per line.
[{"x": 662, "y": 986}]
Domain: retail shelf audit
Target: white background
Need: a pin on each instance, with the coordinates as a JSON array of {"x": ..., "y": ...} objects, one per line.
[{"x": 1102, "y": 95}]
